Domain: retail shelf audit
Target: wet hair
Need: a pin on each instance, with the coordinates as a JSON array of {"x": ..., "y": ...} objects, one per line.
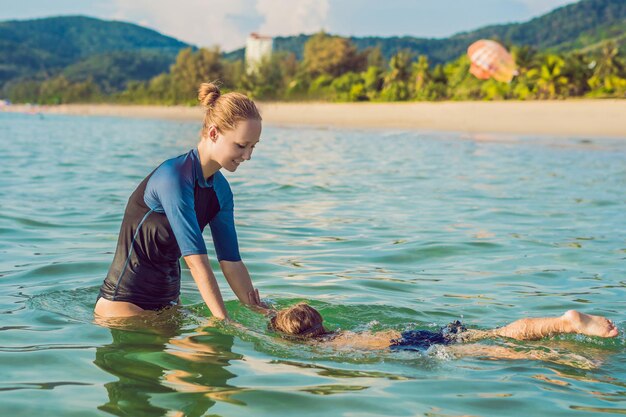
[
  {"x": 300, "y": 320},
  {"x": 224, "y": 111}
]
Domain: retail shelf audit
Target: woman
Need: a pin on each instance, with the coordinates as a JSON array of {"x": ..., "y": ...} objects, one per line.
[{"x": 166, "y": 214}]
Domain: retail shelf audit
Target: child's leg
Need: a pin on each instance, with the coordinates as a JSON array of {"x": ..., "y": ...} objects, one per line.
[
  {"x": 501, "y": 352},
  {"x": 570, "y": 322}
]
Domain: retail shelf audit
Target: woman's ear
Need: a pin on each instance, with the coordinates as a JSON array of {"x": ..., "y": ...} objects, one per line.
[{"x": 212, "y": 133}]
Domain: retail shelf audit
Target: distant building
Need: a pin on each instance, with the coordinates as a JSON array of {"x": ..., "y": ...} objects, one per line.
[{"x": 257, "y": 48}]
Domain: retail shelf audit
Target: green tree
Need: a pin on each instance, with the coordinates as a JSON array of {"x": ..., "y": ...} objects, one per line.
[
  {"x": 26, "y": 91},
  {"x": 525, "y": 57},
  {"x": 331, "y": 55},
  {"x": 266, "y": 81},
  {"x": 462, "y": 85},
  {"x": 375, "y": 57},
  {"x": 421, "y": 72},
  {"x": 423, "y": 86},
  {"x": 439, "y": 83},
  {"x": 608, "y": 63},
  {"x": 233, "y": 72},
  {"x": 606, "y": 79},
  {"x": 53, "y": 90},
  {"x": 191, "y": 69},
  {"x": 349, "y": 87},
  {"x": 549, "y": 80},
  {"x": 320, "y": 87},
  {"x": 577, "y": 69},
  {"x": 289, "y": 64},
  {"x": 136, "y": 92},
  {"x": 83, "y": 92},
  {"x": 495, "y": 90},
  {"x": 161, "y": 90},
  {"x": 373, "y": 81},
  {"x": 522, "y": 86},
  {"x": 396, "y": 86}
]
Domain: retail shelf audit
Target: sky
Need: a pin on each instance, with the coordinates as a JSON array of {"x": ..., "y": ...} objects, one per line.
[{"x": 226, "y": 23}]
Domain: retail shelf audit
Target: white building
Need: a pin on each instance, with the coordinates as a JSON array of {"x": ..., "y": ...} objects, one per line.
[{"x": 257, "y": 48}]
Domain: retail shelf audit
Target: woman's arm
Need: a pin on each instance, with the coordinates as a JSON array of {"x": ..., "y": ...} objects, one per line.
[
  {"x": 239, "y": 280},
  {"x": 207, "y": 284}
]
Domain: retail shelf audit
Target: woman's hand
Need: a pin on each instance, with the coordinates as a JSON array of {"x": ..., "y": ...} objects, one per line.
[
  {"x": 254, "y": 299},
  {"x": 239, "y": 280}
]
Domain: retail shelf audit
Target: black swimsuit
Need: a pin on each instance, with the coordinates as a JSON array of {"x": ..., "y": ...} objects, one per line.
[
  {"x": 423, "y": 339},
  {"x": 164, "y": 220}
]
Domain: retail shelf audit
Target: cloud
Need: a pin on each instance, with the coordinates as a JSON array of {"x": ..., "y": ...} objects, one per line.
[
  {"x": 224, "y": 23},
  {"x": 227, "y": 23},
  {"x": 283, "y": 17},
  {"x": 200, "y": 22}
]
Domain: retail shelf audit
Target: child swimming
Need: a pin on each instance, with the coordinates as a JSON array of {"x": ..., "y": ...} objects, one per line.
[{"x": 303, "y": 322}]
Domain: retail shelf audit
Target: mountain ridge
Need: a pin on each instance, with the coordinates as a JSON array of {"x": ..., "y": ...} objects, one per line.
[
  {"x": 115, "y": 52},
  {"x": 572, "y": 20}
]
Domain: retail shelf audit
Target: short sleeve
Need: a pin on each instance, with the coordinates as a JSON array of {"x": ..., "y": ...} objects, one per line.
[{"x": 174, "y": 195}]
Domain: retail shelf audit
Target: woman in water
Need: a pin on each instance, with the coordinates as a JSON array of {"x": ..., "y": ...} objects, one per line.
[
  {"x": 303, "y": 322},
  {"x": 166, "y": 214}
]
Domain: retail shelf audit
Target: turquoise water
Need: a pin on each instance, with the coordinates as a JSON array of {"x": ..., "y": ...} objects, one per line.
[{"x": 378, "y": 229}]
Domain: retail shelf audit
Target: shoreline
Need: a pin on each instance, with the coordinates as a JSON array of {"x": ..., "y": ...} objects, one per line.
[{"x": 571, "y": 118}]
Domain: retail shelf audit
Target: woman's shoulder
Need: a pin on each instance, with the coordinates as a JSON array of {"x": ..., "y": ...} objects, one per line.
[
  {"x": 181, "y": 164},
  {"x": 175, "y": 169},
  {"x": 172, "y": 177}
]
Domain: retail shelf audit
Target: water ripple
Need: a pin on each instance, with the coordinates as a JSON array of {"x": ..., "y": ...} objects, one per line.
[{"x": 378, "y": 230}]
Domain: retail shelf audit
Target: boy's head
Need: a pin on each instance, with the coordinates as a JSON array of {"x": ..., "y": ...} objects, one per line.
[{"x": 300, "y": 320}]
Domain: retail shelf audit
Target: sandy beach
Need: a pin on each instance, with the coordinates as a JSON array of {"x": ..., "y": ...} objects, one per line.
[{"x": 571, "y": 118}]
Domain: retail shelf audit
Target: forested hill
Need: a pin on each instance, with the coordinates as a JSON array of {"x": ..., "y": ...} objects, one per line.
[
  {"x": 42, "y": 47},
  {"x": 570, "y": 27},
  {"x": 111, "y": 54}
]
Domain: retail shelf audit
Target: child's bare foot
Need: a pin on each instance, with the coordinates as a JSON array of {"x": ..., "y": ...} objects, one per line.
[{"x": 590, "y": 325}]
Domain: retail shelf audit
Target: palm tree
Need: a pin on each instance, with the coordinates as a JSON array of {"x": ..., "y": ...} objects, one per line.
[
  {"x": 548, "y": 76},
  {"x": 608, "y": 63},
  {"x": 525, "y": 57},
  {"x": 397, "y": 80},
  {"x": 578, "y": 70},
  {"x": 400, "y": 65},
  {"x": 606, "y": 76},
  {"x": 421, "y": 72}
]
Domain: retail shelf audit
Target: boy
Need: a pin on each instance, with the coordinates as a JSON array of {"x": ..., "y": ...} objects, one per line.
[{"x": 303, "y": 322}]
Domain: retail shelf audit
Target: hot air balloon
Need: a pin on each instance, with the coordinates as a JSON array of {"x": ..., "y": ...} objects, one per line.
[{"x": 491, "y": 60}]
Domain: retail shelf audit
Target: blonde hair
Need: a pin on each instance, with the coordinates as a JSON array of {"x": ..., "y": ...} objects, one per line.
[
  {"x": 300, "y": 320},
  {"x": 224, "y": 111}
]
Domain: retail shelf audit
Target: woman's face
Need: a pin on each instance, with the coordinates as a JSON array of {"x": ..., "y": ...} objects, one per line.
[{"x": 232, "y": 147}]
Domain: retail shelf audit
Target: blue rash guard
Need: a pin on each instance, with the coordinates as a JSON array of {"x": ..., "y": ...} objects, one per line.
[{"x": 164, "y": 220}]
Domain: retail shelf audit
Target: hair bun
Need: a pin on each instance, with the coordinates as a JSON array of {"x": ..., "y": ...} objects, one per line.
[{"x": 208, "y": 94}]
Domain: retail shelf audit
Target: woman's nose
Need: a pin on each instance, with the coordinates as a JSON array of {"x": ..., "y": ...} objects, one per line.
[{"x": 247, "y": 155}]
